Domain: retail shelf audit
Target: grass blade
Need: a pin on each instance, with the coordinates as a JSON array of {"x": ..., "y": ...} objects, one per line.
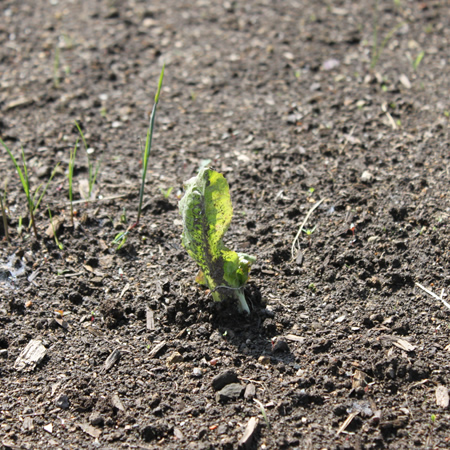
[{"x": 148, "y": 143}]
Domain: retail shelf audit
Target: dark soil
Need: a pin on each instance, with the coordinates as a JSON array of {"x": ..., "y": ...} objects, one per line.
[{"x": 342, "y": 348}]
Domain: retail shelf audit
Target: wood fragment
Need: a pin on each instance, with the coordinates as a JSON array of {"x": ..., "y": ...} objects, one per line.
[
  {"x": 112, "y": 359},
  {"x": 30, "y": 356},
  {"x": 442, "y": 398},
  {"x": 157, "y": 349},
  {"x": 54, "y": 226},
  {"x": 404, "y": 345},
  {"x": 247, "y": 438},
  {"x": 359, "y": 379},
  {"x": 293, "y": 337},
  {"x": 347, "y": 422},
  {"x": 89, "y": 429},
  {"x": 150, "y": 320},
  {"x": 117, "y": 403}
]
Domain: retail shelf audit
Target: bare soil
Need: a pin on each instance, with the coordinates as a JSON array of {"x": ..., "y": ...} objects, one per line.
[{"x": 342, "y": 349}]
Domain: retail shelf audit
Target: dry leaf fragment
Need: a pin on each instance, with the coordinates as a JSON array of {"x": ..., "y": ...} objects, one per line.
[
  {"x": 347, "y": 422},
  {"x": 404, "y": 345},
  {"x": 31, "y": 355},
  {"x": 247, "y": 438},
  {"x": 111, "y": 360},
  {"x": 54, "y": 226},
  {"x": 89, "y": 429},
  {"x": 442, "y": 398}
]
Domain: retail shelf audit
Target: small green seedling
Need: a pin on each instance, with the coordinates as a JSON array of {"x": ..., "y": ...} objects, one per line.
[
  {"x": 73, "y": 153},
  {"x": 54, "y": 231},
  {"x": 378, "y": 48},
  {"x": 92, "y": 172},
  {"x": 418, "y": 60},
  {"x": 32, "y": 200},
  {"x": 4, "y": 215},
  {"x": 123, "y": 216},
  {"x": 56, "y": 80},
  {"x": 263, "y": 411},
  {"x": 166, "y": 192},
  {"x": 309, "y": 232},
  {"x": 206, "y": 211},
  {"x": 121, "y": 238}
]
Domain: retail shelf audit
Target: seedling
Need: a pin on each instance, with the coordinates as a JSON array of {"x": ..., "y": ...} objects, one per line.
[
  {"x": 121, "y": 238},
  {"x": 418, "y": 60},
  {"x": 166, "y": 192},
  {"x": 73, "y": 153},
  {"x": 263, "y": 411},
  {"x": 54, "y": 231},
  {"x": 32, "y": 201},
  {"x": 92, "y": 172},
  {"x": 5, "y": 217},
  {"x": 56, "y": 68},
  {"x": 378, "y": 48},
  {"x": 309, "y": 232},
  {"x": 206, "y": 211}
]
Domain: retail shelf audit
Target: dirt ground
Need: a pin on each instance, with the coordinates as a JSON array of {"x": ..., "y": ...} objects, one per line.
[{"x": 296, "y": 106}]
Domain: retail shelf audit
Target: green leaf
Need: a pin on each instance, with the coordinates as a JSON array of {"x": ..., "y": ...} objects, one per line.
[{"x": 206, "y": 210}]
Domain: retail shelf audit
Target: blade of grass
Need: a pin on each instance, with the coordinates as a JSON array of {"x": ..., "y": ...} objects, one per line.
[
  {"x": 92, "y": 175},
  {"x": 5, "y": 219},
  {"x": 73, "y": 154},
  {"x": 148, "y": 143}
]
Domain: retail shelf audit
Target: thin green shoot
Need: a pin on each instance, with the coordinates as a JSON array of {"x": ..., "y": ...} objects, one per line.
[
  {"x": 418, "y": 60},
  {"x": 123, "y": 216},
  {"x": 5, "y": 217},
  {"x": 148, "y": 143},
  {"x": 32, "y": 201},
  {"x": 92, "y": 172},
  {"x": 56, "y": 80},
  {"x": 73, "y": 154},
  {"x": 54, "y": 231},
  {"x": 122, "y": 236},
  {"x": 263, "y": 412},
  {"x": 309, "y": 232},
  {"x": 377, "y": 48},
  {"x": 166, "y": 192}
]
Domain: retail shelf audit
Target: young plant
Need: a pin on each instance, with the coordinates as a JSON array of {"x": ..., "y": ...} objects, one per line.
[
  {"x": 378, "y": 48},
  {"x": 92, "y": 172},
  {"x": 166, "y": 192},
  {"x": 5, "y": 217},
  {"x": 206, "y": 211},
  {"x": 32, "y": 200},
  {"x": 122, "y": 237},
  {"x": 56, "y": 80},
  {"x": 73, "y": 153}
]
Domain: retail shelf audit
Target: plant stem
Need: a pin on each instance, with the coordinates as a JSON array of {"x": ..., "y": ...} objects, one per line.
[
  {"x": 148, "y": 144},
  {"x": 5, "y": 220}
]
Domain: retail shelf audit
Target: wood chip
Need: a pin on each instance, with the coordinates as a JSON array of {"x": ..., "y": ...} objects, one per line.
[
  {"x": 359, "y": 379},
  {"x": 347, "y": 422},
  {"x": 247, "y": 438},
  {"x": 30, "y": 356},
  {"x": 442, "y": 398},
  {"x": 117, "y": 403},
  {"x": 404, "y": 345},
  {"x": 157, "y": 349},
  {"x": 20, "y": 102},
  {"x": 54, "y": 226},
  {"x": 89, "y": 429},
  {"x": 150, "y": 320},
  {"x": 112, "y": 359},
  {"x": 293, "y": 337}
]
